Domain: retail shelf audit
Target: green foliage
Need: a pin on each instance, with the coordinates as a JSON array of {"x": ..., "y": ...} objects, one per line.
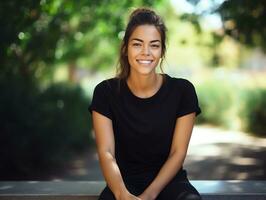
[
  {"x": 216, "y": 100},
  {"x": 40, "y": 130},
  {"x": 48, "y": 31},
  {"x": 232, "y": 105},
  {"x": 243, "y": 20},
  {"x": 253, "y": 112}
]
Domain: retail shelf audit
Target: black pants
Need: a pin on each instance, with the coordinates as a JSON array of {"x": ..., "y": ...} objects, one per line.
[{"x": 175, "y": 190}]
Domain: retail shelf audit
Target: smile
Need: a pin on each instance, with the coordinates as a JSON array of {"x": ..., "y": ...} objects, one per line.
[{"x": 144, "y": 61}]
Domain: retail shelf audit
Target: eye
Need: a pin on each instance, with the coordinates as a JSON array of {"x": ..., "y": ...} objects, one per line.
[
  {"x": 155, "y": 46},
  {"x": 136, "y": 44}
]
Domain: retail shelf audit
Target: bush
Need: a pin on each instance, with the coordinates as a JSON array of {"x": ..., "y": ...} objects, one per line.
[
  {"x": 40, "y": 130},
  {"x": 216, "y": 99},
  {"x": 231, "y": 106},
  {"x": 253, "y": 112}
]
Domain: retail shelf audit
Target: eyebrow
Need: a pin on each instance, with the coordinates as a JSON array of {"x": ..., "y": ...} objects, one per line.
[{"x": 142, "y": 40}]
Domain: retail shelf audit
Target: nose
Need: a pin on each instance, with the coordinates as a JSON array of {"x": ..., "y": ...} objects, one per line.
[{"x": 146, "y": 50}]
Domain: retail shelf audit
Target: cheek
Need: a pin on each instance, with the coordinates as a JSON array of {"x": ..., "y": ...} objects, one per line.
[
  {"x": 130, "y": 57},
  {"x": 158, "y": 54},
  {"x": 132, "y": 53}
]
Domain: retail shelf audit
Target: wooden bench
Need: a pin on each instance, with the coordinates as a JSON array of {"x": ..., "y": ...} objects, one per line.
[{"x": 89, "y": 190}]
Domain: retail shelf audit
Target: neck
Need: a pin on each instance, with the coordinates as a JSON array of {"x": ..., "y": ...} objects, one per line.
[{"x": 144, "y": 86}]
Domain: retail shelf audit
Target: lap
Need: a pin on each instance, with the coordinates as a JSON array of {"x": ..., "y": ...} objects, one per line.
[
  {"x": 107, "y": 194},
  {"x": 179, "y": 190},
  {"x": 175, "y": 190}
]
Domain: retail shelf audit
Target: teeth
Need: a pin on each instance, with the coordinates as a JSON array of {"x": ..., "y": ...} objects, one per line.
[{"x": 144, "y": 61}]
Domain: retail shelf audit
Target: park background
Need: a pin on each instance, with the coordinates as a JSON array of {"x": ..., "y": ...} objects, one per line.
[{"x": 54, "y": 52}]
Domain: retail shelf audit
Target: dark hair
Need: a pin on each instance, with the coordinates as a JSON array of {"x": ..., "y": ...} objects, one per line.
[{"x": 140, "y": 16}]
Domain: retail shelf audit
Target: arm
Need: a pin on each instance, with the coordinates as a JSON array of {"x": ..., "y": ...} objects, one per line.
[
  {"x": 106, "y": 150},
  {"x": 182, "y": 134}
]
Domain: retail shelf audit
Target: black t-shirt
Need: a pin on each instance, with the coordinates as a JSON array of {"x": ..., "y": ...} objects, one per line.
[{"x": 143, "y": 127}]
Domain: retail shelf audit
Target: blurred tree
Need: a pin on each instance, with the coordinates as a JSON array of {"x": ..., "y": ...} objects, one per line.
[
  {"x": 35, "y": 34},
  {"x": 40, "y": 130},
  {"x": 244, "y": 20}
]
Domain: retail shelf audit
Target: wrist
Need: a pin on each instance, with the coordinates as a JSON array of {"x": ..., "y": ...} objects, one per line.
[
  {"x": 153, "y": 191},
  {"x": 150, "y": 195},
  {"x": 121, "y": 193}
]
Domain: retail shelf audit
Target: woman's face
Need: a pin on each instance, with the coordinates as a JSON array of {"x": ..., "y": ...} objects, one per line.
[{"x": 144, "y": 50}]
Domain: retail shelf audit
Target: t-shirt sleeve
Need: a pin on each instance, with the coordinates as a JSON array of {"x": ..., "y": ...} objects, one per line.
[
  {"x": 189, "y": 101},
  {"x": 100, "y": 100}
]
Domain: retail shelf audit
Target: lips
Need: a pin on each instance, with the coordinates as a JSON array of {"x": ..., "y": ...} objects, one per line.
[{"x": 144, "y": 61}]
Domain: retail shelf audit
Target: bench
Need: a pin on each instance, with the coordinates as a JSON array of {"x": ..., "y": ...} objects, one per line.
[{"x": 89, "y": 190}]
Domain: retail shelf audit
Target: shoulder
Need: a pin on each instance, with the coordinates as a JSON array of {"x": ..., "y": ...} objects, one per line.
[
  {"x": 180, "y": 83},
  {"x": 107, "y": 85}
]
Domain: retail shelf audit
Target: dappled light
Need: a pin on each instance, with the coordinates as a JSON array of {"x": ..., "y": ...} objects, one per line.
[
  {"x": 226, "y": 155},
  {"x": 214, "y": 154}
]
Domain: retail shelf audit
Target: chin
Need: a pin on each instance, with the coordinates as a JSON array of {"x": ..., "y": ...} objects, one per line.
[{"x": 145, "y": 72}]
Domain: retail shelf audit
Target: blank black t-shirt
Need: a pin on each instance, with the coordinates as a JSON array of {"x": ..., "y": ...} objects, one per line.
[{"x": 143, "y": 127}]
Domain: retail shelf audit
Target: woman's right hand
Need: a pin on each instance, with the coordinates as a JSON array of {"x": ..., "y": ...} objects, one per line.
[{"x": 128, "y": 196}]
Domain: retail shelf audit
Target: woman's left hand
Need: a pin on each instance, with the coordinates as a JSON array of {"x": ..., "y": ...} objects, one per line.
[{"x": 145, "y": 196}]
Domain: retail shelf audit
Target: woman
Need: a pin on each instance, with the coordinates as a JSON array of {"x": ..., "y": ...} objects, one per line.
[{"x": 143, "y": 120}]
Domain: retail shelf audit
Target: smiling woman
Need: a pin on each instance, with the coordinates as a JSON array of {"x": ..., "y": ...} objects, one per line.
[
  {"x": 143, "y": 120},
  {"x": 144, "y": 49},
  {"x": 144, "y": 53}
]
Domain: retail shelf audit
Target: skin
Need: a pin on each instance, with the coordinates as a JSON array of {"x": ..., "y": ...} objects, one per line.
[{"x": 144, "y": 53}]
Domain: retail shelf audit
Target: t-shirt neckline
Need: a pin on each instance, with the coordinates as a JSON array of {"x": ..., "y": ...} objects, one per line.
[{"x": 154, "y": 96}]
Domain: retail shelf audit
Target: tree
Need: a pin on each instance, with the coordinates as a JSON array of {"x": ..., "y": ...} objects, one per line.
[
  {"x": 243, "y": 20},
  {"x": 39, "y": 33}
]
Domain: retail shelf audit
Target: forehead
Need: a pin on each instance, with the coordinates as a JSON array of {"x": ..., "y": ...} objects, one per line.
[{"x": 146, "y": 33}]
